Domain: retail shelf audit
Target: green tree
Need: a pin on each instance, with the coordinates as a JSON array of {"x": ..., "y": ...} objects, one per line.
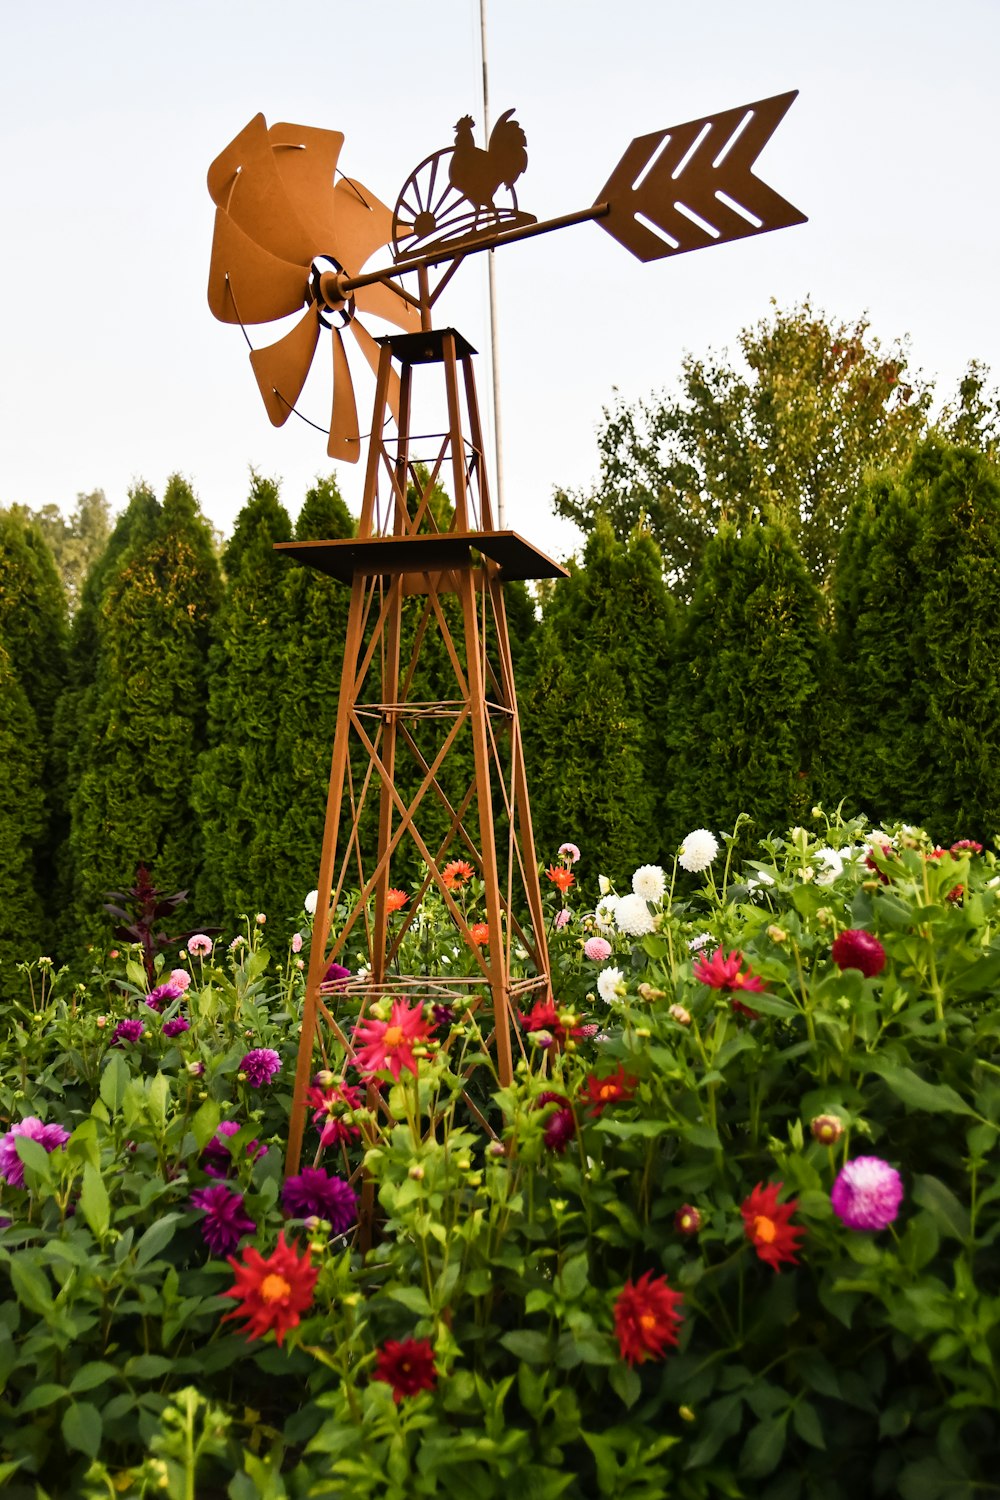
[
  {"x": 25, "y": 923},
  {"x": 746, "y": 694},
  {"x": 784, "y": 435},
  {"x": 591, "y": 713},
  {"x": 77, "y": 541},
  {"x": 141, "y": 724},
  {"x": 972, "y": 418},
  {"x": 241, "y": 789}
]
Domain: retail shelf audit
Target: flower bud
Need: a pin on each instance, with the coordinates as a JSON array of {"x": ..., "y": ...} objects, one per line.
[
  {"x": 826, "y": 1129},
  {"x": 495, "y": 1148},
  {"x": 463, "y": 1164},
  {"x": 325, "y": 1078},
  {"x": 241, "y": 1078},
  {"x": 687, "y": 1219},
  {"x": 777, "y": 934},
  {"x": 196, "y": 1069},
  {"x": 416, "y": 1172},
  {"x": 603, "y": 884},
  {"x": 102, "y": 1021},
  {"x": 650, "y": 992},
  {"x": 680, "y": 1014},
  {"x": 260, "y": 918},
  {"x": 643, "y": 1032},
  {"x": 817, "y": 811},
  {"x": 685, "y": 1413},
  {"x": 824, "y": 916}
]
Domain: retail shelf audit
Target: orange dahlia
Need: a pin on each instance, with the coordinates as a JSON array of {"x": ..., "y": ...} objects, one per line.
[
  {"x": 561, "y": 877},
  {"x": 456, "y": 872}
]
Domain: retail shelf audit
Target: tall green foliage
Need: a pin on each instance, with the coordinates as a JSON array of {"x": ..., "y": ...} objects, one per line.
[
  {"x": 25, "y": 918},
  {"x": 592, "y": 713},
  {"x": 141, "y": 723},
  {"x": 742, "y": 716},
  {"x": 241, "y": 790}
]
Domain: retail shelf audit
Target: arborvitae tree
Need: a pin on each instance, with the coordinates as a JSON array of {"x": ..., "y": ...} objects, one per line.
[
  {"x": 592, "y": 715},
  {"x": 33, "y": 633},
  {"x": 958, "y": 588},
  {"x": 146, "y": 716},
  {"x": 24, "y": 915},
  {"x": 317, "y": 608},
  {"x": 876, "y": 729},
  {"x": 241, "y": 790},
  {"x": 741, "y": 717}
]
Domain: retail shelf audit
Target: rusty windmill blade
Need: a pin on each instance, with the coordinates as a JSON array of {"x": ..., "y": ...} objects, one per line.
[
  {"x": 345, "y": 431},
  {"x": 691, "y": 186},
  {"x": 281, "y": 368}
]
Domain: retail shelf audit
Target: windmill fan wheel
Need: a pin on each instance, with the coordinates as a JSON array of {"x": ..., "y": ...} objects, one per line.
[{"x": 288, "y": 233}]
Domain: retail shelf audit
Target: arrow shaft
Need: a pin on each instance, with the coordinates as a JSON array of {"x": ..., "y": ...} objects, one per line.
[{"x": 472, "y": 247}]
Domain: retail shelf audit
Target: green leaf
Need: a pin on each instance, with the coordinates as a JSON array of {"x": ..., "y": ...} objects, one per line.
[
  {"x": 156, "y": 1238},
  {"x": 625, "y": 1383},
  {"x": 159, "y": 1099},
  {"x": 527, "y": 1344},
  {"x": 806, "y": 1421},
  {"x": 114, "y": 1081},
  {"x": 81, "y": 1428},
  {"x": 656, "y": 946},
  {"x": 148, "y": 1367},
  {"x": 94, "y": 1201},
  {"x": 949, "y": 1214},
  {"x": 763, "y": 1448},
  {"x": 31, "y": 1286},
  {"x": 917, "y": 1093},
  {"x": 89, "y": 1376},
  {"x": 35, "y": 1157},
  {"x": 205, "y": 1123},
  {"x": 42, "y": 1395},
  {"x": 574, "y": 1277},
  {"x": 411, "y": 1297}
]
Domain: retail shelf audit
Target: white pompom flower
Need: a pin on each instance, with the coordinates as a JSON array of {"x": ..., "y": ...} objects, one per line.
[
  {"x": 604, "y": 915},
  {"x": 832, "y": 863},
  {"x": 649, "y": 882},
  {"x": 698, "y": 850},
  {"x": 610, "y": 984},
  {"x": 633, "y": 917},
  {"x": 309, "y": 904}
]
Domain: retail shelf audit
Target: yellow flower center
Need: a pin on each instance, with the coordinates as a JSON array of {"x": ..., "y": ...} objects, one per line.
[
  {"x": 608, "y": 1091},
  {"x": 764, "y": 1229},
  {"x": 274, "y": 1287},
  {"x": 647, "y": 1322},
  {"x": 392, "y": 1036}
]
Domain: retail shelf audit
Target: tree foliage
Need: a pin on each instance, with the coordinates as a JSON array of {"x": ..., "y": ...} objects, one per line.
[
  {"x": 142, "y": 724},
  {"x": 742, "y": 719},
  {"x": 786, "y": 436},
  {"x": 592, "y": 714},
  {"x": 76, "y": 541}
]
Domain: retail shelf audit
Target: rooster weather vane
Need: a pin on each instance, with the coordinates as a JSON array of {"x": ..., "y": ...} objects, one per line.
[{"x": 293, "y": 241}]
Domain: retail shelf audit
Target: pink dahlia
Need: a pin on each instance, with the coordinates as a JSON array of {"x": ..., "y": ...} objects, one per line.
[
  {"x": 260, "y": 1065},
  {"x": 857, "y": 949},
  {"x": 389, "y": 1044},
  {"x": 32, "y": 1129},
  {"x": 867, "y": 1193},
  {"x": 597, "y": 949}
]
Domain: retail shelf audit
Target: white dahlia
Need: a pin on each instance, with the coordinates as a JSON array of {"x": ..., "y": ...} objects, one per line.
[
  {"x": 633, "y": 916},
  {"x": 610, "y": 984},
  {"x": 649, "y": 882},
  {"x": 698, "y": 850}
]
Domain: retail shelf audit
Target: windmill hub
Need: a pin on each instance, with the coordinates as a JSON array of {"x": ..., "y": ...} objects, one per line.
[{"x": 329, "y": 291}]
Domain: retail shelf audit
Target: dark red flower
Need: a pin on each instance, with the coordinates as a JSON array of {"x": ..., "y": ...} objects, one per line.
[
  {"x": 272, "y": 1292},
  {"x": 857, "y": 949},
  {"x": 328, "y": 1106},
  {"x": 646, "y": 1318},
  {"x": 723, "y": 973},
  {"x": 739, "y": 1009},
  {"x": 767, "y": 1226},
  {"x": 408, "y": 1367},
  {"x": 613, "y": 1088},
  {"x": 560, "y": 1128},
  {"x": 336, "y": 975},
  {"x": 687, "y": 1219}
]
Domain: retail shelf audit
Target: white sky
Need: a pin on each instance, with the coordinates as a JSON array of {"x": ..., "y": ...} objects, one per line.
[{"x": 113, "y": 368}]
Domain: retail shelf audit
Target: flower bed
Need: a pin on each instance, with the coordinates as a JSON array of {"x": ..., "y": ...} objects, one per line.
[{"x": 738, "y": 1235}]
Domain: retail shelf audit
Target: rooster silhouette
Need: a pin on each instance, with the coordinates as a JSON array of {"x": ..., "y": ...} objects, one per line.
[{"x": 477, "y": 174}]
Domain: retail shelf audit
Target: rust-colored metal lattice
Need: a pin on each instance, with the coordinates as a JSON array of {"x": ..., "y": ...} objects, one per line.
[{"x": 292, "y": 239}]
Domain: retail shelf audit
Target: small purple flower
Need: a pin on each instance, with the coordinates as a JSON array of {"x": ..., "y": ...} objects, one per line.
[
  {"x": 162, "y": 995},
  {"x": 225, "y": 1222},
  {"x": 176, "y": 1026},
  {"x": 34, "y": 1129},
  {"x": 442, "y": 1018},
  {"x": 336, "y": 974},
  {"x": 216, "y": 1159},
  {"x": 321, "y": 1193},
  {"x": 260, "y": 1066},
  {"x": 126, "y": 1031},
  {"x": 867, "y": 1193}
]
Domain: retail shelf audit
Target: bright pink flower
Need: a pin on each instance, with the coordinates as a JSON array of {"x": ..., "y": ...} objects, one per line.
[
  {"x": 867, "y": 1193},
  {"x": 857, "y": 949},
  {"x": 200, "y": 946},
  {"x": 389, "y": 1044},
  {"x": 966, "y": 846},
  {"x": 723, "y": 973},
  {"x": 32, "y": 1129}
]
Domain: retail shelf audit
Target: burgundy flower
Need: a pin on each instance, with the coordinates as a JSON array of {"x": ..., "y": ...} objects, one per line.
[
  {"x": 560, "y": 1126},
  {"x": 408, "y": 1367},
  {"x": 319, "y": 1193},
  {"x": 175, "y": 1026},
  {"x": 216, "y": 1159},
  {"x": 225, "y": 1222},
  {"x": 162, "y": 995},
  {"x": 857, "y": 949},
  {"x": 336, "y": 975}
]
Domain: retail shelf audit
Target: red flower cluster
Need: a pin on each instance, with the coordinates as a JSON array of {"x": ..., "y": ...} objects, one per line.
[
  {"x": 408, "y": 1367},
  {"x": 857, "y": 949},
  {"x": 273, "y": 1291},
  {"x": 966, "y": 846},
  {"x": 767, "y": 1225},
  {"x": 561, "y": 877},
  {"x": 613, "y": 1088},
  {"x": 389, "y": 1044},
  {"x": 646, "y": 1318},
  {"x": 328, "y": 1105}
]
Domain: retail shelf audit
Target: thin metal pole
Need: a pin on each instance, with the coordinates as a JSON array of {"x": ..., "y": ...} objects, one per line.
[{"x": 492, "y": 282}]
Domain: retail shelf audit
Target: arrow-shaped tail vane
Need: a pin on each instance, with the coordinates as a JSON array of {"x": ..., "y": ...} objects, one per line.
[{"x": 691, "y": 186}]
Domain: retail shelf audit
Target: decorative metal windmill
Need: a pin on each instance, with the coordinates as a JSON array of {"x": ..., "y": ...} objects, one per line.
[{"x": 293, "y": 237}]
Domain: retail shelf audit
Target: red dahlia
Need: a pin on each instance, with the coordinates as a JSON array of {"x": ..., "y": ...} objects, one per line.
[
  {"x": 767, "y": 1226},
  {"x": 613, "y": 1088},
  {"x": 274, "y": 1291},
  {"x": 646, "y": 1318},
  {"x": 723, "y": 973},
  {"x": 857, "y": 949},
  {"x": 408, "y": 1367}
]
